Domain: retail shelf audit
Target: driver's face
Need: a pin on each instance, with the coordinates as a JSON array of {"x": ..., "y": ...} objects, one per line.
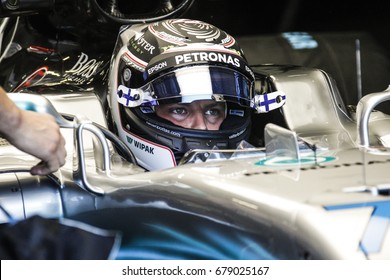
[{"x": 202, "y": 114}]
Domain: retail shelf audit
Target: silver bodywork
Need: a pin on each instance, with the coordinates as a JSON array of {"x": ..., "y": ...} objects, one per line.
[{"x": 329, "y": 199}]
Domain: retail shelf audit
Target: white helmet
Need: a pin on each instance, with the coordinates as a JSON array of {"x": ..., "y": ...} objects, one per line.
[{"x": 177, "y": 60}]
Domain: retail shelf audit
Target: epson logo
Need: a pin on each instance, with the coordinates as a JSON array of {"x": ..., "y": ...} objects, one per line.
[{"x": 157, "y": 67}]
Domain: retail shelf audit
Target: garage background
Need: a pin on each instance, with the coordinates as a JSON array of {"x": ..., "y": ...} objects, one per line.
[{"x": 320, "y": 34}]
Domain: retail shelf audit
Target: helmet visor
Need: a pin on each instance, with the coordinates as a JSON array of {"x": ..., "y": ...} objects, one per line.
[{"x": 188, "y": 84}]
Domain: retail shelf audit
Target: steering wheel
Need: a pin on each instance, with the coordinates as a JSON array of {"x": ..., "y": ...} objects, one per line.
[{"x": 143, "y": 11}]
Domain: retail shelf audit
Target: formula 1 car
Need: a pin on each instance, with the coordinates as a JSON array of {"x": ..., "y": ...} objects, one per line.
[{"x": 317, "y": 188}]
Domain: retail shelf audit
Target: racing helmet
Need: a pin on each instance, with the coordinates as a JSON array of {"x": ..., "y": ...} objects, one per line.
[{"x": 177, "y": 60}]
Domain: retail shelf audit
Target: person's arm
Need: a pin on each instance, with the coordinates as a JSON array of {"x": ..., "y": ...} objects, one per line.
[{"x": 35, "y": 133}]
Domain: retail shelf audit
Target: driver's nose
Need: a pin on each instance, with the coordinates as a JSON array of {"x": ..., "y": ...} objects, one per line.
[{"x": 198, "y": 121}]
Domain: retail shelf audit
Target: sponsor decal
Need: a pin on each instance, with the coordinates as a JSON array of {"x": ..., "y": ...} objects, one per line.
[
  {"x": 145, "y": 45},
  {"x": 150, "y": 155},
  {"x": 84, "y": 69},
  {"x": 140, "y": 45},
  {"x": 135, "y": 47},
  {"x": 147, "y": 109},
  {"x": 207, "y": 56},
  {"x": 139, "y": 145},
  {"x": 236, "y": 112},
  {"x": 170, "y": 38},
  {"x": 163, "y": 129},
  {"x": 183, "y": 56},
  {"x": 247, "y": 69},
  {"x": 287, "y": 161},
  {"x": 157, "y": 67},
  {"x": 237, "y": 134},
  {"x": 228, "y": 41}
]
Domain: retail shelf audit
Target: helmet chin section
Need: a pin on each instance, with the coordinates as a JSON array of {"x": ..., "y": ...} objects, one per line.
[
  {"x": 150, "y": 156},
  {"x": 158, "y": 144}
]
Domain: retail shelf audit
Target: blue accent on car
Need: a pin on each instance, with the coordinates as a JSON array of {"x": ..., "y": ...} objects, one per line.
[{"x": 377, "y": 227}]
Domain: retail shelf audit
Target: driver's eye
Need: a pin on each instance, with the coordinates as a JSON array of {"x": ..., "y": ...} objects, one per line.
[
  {"x": 214, "y": 112},
  {"x": 178, "y": 111}
]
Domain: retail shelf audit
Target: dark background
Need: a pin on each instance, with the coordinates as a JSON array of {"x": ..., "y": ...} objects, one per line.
[
  {"x": 241, "y": 17},
  {"x": 335, "y": 25}
]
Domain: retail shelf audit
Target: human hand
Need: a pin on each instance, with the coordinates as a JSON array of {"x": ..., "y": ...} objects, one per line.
[{"x": 38, "y": 134}]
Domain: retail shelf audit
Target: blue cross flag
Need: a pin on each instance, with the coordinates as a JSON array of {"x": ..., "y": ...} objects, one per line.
[{"x": 263, "y": 103}]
